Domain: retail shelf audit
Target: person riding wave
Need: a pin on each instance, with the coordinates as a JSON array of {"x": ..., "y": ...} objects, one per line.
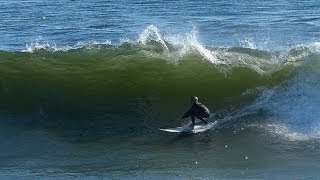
[{"x": 197, "y": 110}]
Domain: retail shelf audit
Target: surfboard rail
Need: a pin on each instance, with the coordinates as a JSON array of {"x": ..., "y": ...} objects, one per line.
[{"x": 187, "y": 128}]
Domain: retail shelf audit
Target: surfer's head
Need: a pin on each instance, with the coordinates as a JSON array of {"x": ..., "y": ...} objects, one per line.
[{"x": 194, "y": 99}]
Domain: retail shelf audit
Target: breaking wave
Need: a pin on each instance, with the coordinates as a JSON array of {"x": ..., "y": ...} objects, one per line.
[{"x": 136, "y": 83}]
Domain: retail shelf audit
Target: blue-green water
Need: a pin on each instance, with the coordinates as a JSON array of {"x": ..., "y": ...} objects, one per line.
[
  {"x": 272, "y": 25},
  {"x": 85, "y": 87}
]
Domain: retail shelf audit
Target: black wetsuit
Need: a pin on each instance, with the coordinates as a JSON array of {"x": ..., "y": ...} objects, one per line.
[{"x": 199, "y": 111}]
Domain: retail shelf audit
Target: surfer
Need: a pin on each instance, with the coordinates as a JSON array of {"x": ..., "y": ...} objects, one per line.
[{"x": 197, "y": 110}]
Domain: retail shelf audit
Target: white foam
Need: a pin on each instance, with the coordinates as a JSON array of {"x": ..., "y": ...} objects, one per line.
[
  {"x": 291, "y": 113},
  {"x": 52, "y": 46},
  {"x": 176, "y": 47},
  {"x": 300, "y": 51},
  {"x": 312, "y": 47},
  {"x": 293, "y": 108},
  {"x": 252, "y": 44},
  {"x": 151, "y": 33},
  {"x": 283, "y": 131},
  {"x": 193, "y": 42},
  {"x": 183, "y": 44}
]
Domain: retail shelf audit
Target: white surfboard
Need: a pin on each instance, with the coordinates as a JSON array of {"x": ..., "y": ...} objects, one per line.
[{"x": 197, "y": 128}]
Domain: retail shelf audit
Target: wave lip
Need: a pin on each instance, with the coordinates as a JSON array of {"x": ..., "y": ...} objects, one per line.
[{"x": 175, "y": 47}]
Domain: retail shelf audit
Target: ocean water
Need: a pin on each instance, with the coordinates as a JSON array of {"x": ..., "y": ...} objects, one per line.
[{"x": 86, "y": 85}]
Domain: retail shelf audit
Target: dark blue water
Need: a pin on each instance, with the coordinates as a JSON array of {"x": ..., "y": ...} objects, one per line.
[
  {"x": 86, "y": 85},
  {"x": 268, "y": 25}
]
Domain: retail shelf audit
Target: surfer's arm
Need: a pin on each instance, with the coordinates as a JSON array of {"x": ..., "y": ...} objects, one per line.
[{"x": 187, "y": 114}]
